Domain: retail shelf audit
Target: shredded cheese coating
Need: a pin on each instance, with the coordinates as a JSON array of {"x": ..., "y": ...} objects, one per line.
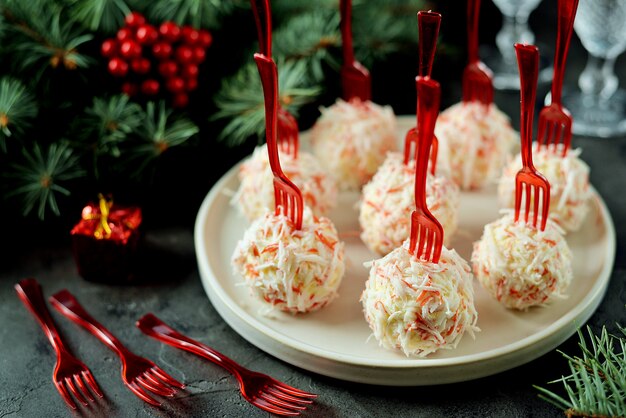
[
  {"x": 351, "y": 139},
  {"x": 419, "y": 307},
  {"x": 521, "y": 266},
  {"x": 255, "y": 195},
  {"x": 292, "y": 270},
  {"x": 389, "y": 199},
  {"x": 569, "y": 184},
  {"x": 474, "y": 143}
]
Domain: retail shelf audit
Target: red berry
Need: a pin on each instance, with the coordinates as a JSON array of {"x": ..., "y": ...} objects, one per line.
[
  {"x": 118, "y": 67},
  {"x": 205, "y": 38},
  {"x": 129, "y": 89},
  {"x": 198, "y": 54},
  {"x": 109, "y": 48},
  {"x": 189, "y": 71},
  {"x": 134, "y": 19},
  {"x": 140, "y": 65},
  {"x": 124, "y": 34},
  {"x": 175, "y": 84},
  {"x": 150, "y": 87},
  {"x": 162, "y": 50},
  {"x": 170, "y": 31},
  {"x": 147, "y": 34},
  {"x": 190, "y": 35},
  {"x": 184, "y": 54},
  {"x": 191, "y": 84},
  {"x": 180, "y": 100},
  {"x": 130, "y": 49},
  {"x": 168, "y": 69}
]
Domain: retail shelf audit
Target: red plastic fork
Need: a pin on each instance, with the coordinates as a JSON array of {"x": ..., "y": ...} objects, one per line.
[
  {"x": 426, "y": 238},
  {"x": 355, "y": 78},
  {"x": 555, "y": 121},
  {"x": 286, "y": 194},
  {"x": 477, "y": 77},
  {"x": 428, "y": 24},
  {"x": 69, "y": 372},
  {"x": 138, "y": 373},
  {"x": 288, "y": 131},
  {"x": 528, "y": 179},
  {"x": 259, "y": 389}
]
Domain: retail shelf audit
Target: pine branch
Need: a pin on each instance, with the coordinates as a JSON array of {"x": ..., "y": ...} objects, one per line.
[
  {"x": 197, "y": 13},
  {"x": 105, "y": 15},
  {"x": 309, "y": 37},
  {"x": 17, "y": 107},
  {"x": 45, "y": 40},
  {"x": 597, "y": 383},
  {"x": 39, "y": 178},
  {"x": 161, "y": 131},
  {"x": 240, "y": 99}
]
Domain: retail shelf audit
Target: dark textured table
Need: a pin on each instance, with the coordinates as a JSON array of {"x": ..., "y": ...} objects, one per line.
[{"x": 176, "y": 295}]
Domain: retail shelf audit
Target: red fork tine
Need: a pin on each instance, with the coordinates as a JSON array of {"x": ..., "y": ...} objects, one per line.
[
  {"x": 428, "y": 24},
  {"x": 287, "y": 194},
  {"x": 555, "y": 115},
  {"x": 424, "y": 226},
  {"x": 477, "y": 78},
  {"x": 528, "y": 177},
  {"x": 355, "y": 78},
  {"x": 288, "y": 131}
]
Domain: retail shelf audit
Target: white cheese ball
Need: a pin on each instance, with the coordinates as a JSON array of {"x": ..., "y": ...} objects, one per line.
[
  {"x": 521, "y": 266},
  {"x": 474, "y": 143},
  {"x": 569, "y": 184},
  {"x": 291, "y": 270},
  {"x": 389, "y": 199},
  {"x": 255, "y": 195},
  {"x": 419, "y": 307},
  {"x": 351, "y": 139}
]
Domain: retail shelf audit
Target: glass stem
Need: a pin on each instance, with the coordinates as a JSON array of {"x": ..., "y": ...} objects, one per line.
[
  {"x": 514, "y": 29},
  {"x": 598, "y": 78}
]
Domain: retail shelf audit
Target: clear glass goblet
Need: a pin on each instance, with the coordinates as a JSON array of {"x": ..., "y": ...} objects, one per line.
[
  {"x": 515, "y": 29},
  {"x": 599, "y": 107}
]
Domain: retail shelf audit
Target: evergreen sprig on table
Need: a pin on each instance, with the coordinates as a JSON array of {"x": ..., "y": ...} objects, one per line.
[{"x": 596, "y": 386}]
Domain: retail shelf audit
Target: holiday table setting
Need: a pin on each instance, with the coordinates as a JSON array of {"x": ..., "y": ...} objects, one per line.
[{"x": 365, "y": 256}]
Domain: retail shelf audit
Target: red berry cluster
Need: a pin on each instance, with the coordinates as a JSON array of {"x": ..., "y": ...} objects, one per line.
[{"x": 153, "y": 58}]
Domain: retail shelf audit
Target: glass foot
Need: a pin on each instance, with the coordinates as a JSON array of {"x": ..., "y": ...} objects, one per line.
[
  {"x": 595, "y": 116},
  {"x": 506, "y": 74}
]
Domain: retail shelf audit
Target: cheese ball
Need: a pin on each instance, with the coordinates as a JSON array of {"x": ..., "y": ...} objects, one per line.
[
  {"x": 570, "y": 192},
  {"x": 351, "y": 139},
  {"x": 474, "y": 143},
  {"x": 389, "y": 199},
  {"x": 255, "y": 195},
  {"x": 419, "y": 307},
  {"x": 521, "y": 266},
  {"x": 292, "y": 270}
]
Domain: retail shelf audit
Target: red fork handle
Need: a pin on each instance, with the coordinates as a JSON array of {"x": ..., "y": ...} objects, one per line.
[
  {"x": 345, "y": 7},
  {"x": 473, "y": 13},
  {"x": 269, "y": 79},
  {"x": 152, "y": 326},
  {"x": 429, "y": 94},
  {"x": 263, "y": 19},
  {"x": 428, "y": 26},
  {"x": 528, "y": 63},
  {"x": 30, "y": 293},
  {"x": 68, "y": 306},
  {"x": 566, "y": 15}
]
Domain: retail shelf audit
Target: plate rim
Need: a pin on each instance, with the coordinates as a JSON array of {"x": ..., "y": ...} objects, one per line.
[{"x": 583, "y": 310}]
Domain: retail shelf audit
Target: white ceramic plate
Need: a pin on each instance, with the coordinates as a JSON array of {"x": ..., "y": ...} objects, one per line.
[{"x": 335, "y": 341}]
